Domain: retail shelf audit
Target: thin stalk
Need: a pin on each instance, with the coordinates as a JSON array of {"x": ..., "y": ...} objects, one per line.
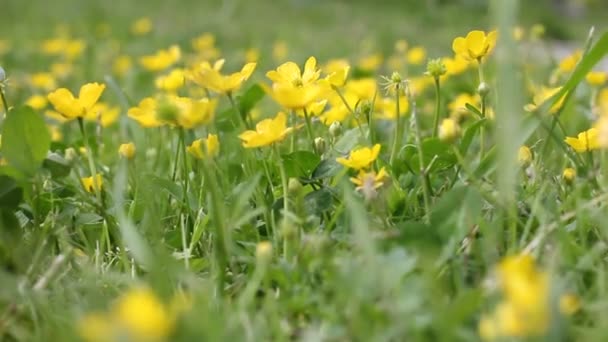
[
  {"x": 437, "y": 106},
  {"x": 4, "y": 103},
  {"x": 397, "y": 137},
  {"x": 423, "y": 173},
  {"x": 242, "y": 116},
  {"x": 309, "y": 129},
  {"x": 92, "y": 167}
]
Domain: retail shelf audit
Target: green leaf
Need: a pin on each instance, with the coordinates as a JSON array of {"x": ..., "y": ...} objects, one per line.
[
  {"x": 250, "y": 97},
  {"x": 300, "y": 164},
  {"x": 317, "y": 202},
  {"x": 326, "y": 168},
  {"x": 474, "y": 110},
  {"x": 25, "y": 139},
  {"x": 431, "y": 147},
  {"x": 348, "y": 141},
  {"x": 57, "y": 165},
  {"x": 10, "y": 193},
  {"x": 469, "y": 134}
]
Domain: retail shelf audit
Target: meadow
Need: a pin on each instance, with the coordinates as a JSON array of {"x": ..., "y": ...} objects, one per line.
[{"x": 303, "y": 171}]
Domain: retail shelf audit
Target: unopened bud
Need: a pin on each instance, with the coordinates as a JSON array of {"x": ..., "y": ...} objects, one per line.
[
  {"x": 569, "y": 175},
  {"x": 320, "y": 145},
  {"x": 335, "y": 129},
  {"x": 70, "y": 154},
  {"x": 263, "y": 252},
  {"x": 483, "y": 89},
  {"x": 396, "y": 77},
  {"x": 435, "y": 68},
  {"x": 127, "y": 150},
  {"x": 294, "y": 186}
]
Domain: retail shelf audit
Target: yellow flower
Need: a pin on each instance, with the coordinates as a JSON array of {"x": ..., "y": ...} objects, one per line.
[
  {"x": 69, "y": 48},
  {"x": 371, "y": 62},
  {"x": 401, "y": 45},
  {"x": 314, "y": 109},
  {"x": 172, "y": 81},
  {"x": 102, "y": 113},
  {"x": 602, "y": 103},
  {"x": 289, "y": 73},
  {"x": 387, "y": 108},
  {"x": 95, "y": 327},
  {"x": 602, "y": 131},
  {"x": 267, "y": 131},
  {"x": 211, "y": 78},
  {"x": 455, "y": 66},
  {"x": 568, "y": 64},
  {"x": 363, "y": 88},
  {"x": 416, "y": 55},
  {"x": 541, "y": 96},
  {"x": 518, "y": 33},
  {"x": 279, "y": 51},
  {"x": 56, "y": 134},
  {"x": 338, "y": 78},
  {"x": 204, "y": 45},
  {"x": 524, "y": 156},
  {"x": 92, "y": 184},
  {"x": 37, "y": 102},
  {"x": 205, "y": 147},
  {"x": 122, "y": 65},
  {"x": 449, "y": 130},
  {"x": 191, "y": 113},
  {"x": 335, "y": 65},
  {"x": 360, "y": 158},
  {"x": 369, "y": 181},
  {"x": 596, "y": 78},
  {"x": 162, "y": 59},
  {"x": 252, "y": 55},
  {"x": 71, "y": 107},
  {"x": 569, "y": 304},
  {"x": 61, "y": 70},
  {"x": 145, "y": 113},
  {"x": 43, "y": 81},
  {"x": 585, "y": 141},
  {"x": 127, "y": 150},
  {"x": 457, "y": 106},
  {"x": 291, "y": 97},
  {"x": 141, "y": 26},
  {"x": 143, "y": 316},
  {"x": 475, "y": 45},
  {"x": 569, "y": 175}
]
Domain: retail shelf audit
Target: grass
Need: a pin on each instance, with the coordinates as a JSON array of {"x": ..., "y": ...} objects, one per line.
[{"x": 460, "y": 238}]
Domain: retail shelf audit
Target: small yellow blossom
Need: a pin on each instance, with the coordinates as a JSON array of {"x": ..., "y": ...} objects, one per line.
[
  {"x": 204, "y": 147},
  {"x": 171, "y": 82},
  {"x": 585, "y": 141},
  {"x": 602, "y": 131},
  {"x": 267, "y": 132},
  {"x": 145, "y": 113},
  {"x": 71, "y": 107},
  {"x": 455, "y": 66},
  {"x": 289, "y": 73},
  {"x": 290, "y": 97},
  {"x": 127, "y": 150},
  {"x": 141, "y": 26},
  {"x": 360, "y": 158},
  {"x": 338, "y": 78},
  {"x": 92, "y": 184},
  {"x": 458, "y": 108},
  {"x": 205, "y": 47},
  {"x": 596, "y": 78},
  {"x": 102, "y": 113},
  {"x": 162, "y": 59},
  {"x": 416, "y": 55},
  {"x": 569, "y": 62},
  {"x": 369, "y": 181},
  {"x": 37, "y": 102},
  {"x": 449, "y": 130},
  {"x": 56, "y": 134},
  {"x": 541, "y": 96},
  {"x": 524, "y": 156},
  {"x": 371, "y": 62},
  {"x": 386, "y": 108},
  {"x": 279, "y": 51},
  {"x": 252, "y": 55},
  {"x": 211, "y": 78},
  {"x": 43, "y": 80},
  {"x": 475, "y": 46},
  {"x": 569, "y": 304},
  {"x": 122, "y": 65},
  {"x": 143, "y": 316},
  {"x": 363, "y": 88},
  {"x": 569, "y": 175},
  {"x": 61, "y": 70}
]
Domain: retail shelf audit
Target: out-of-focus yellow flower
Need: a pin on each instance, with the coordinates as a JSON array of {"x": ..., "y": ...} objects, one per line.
[
  {"x": 416, "y": 55},
  {"x": 338, "y": 78},
  {"x": 602, "y": 102},
  {"x": 569, "y": 304},
  {"x": 537, "y": 31},
  {"x": 363, "y": 88},
  {"x": 43, "y": 80},
  {"x": 69, "y": 48},
  {"x": 267, "y": 132},
  {"x": 104, "y": 114},
  {"x": 201, "y": 148},
  {"x": 92, "y": 184},
  {"x": 585, "y": 141},
  {"x": 145, "y": 113},
  {"x": 127, "y": 150},
  {"x": 518, "y": 33},
  {"x": 401, "y": 45},
  {"x": 171, "y": 82},
  {"x": 524, "y": 156},
  {"x": 360, "y": 158},
  {"x": 596, "y": 78},
  {"x": 252, "y": 55},
  {"x": 279, "y": 51},
  {"x": 541, "y": 96},
  {"x": 95, "y": 327},
  {"x": 314, "y": 109},
  {"x": 71, "y": 107},
  {"x": 56, "y": 134},
  {"x": 568, "y": 175},
  {"x": 449, "y": 130},
  {"x": 602, "y": 131},
  {"x": 366, "y": 181},
  {"x": 211, "y": 78},
  {"x": 61, "y": 70},
  {"x": 386, "y": 108},
  {"x": 162, "y": 59},
  {"x": 5, "y": 46},
  {"x": 289, "y": 73},
  {"x": 141, "y": 26},
  {"x": 204, "y": 45},
  {"x": 37, "y": 102},
  {"x": 569, "y": 62},
  {"x": 122, "y": 65},
  {"x": 186, "y": 112},
  {"x": 371, "y": 62},
  {"x": 290, "y": 97},
  {"x": 143, "y": 316},
  {"x": 455, "y": 66},
  {"x": 335, "y": 65},
  {"x": 475, "y": 46},
  {"x": 458, "y": 107}
]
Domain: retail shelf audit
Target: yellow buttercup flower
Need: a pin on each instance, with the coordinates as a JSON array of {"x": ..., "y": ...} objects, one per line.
[
  {"x": 205, "y": 47},
  {"x": 371, "y": 62},
  {"x": 186, "y": 112},
  {"x": 416, "y": 55},
  {"x": 122, "y": 65},
  {"x": 366, "y": 181},
  {"x": 449, "y": 130},
  {"x": 569, "y": 62},
  {"x": 456, "y": 65},
  {"x": 252, "y": 55},
  {"x": 145, "y": 113},
  {"x": 43, "y": 80},
  {"x": 92, "y": 184},
  {"x": 267, "y": 131},
  {"x": 61, "y": 70},
  {"x": 602, "y": 131},
  {"x": 569, "y": 304},
  {"x": 127, "y": 150},
  {"x": 289, "y": 73},
  {"x": 569, "y": 175},
  {"x": 524, "y": 156},
  {"x": 279, "y": 51},
  {"x": 71, "y": 107},
  {"x": 171, "y": 82},
  {"x": 541, "y": 96},
  {"x": 37, "y": 102},
  {"x": 69, "y": 48},
  {"x": 475, "y": 46},
  {"x": 458, "y": 108},
  {"x": 103, "y": 113},
  {"x": 360, "y": 158},
  {"x": 585, "y": 141},
  {"x": 143, "y": 316},
  {"x": 386, "y": 108},
  {"x": 596, "y": 78},
  {"x": 338, "y": 78},
  {"x": 141, "y": 26},
  {"x": 363, "y": 88},
  {"x": 162, "y": 59},
  {"x": 211, "y": 78},
  {"x": 201, "y": 148},
  {"x": 294, "y": 98}
]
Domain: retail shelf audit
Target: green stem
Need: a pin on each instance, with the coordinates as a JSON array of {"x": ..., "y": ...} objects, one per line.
[
  {"x": 397, "y": 137},
  {"x": 185, "y": 177},
  {"x": 242, "y": 116},
  {"x": 423, "y": 172},
  {"x": 309, "y": 129},
  {"x": 437, "y": 106},
  {"x": 4, "y": 103},
  {"x": 92, "y": 168}
]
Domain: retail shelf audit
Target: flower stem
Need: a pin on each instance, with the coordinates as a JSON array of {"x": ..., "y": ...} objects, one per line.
[
  {"x": 4, "y": 103},
  {"x": 242, "y": 116},
  {"x": 309, "y": 129},
  {"x": 426, "y": 186},
  {"x": 437, "y": 106},
  {"x": 398, "y": 134},
  {"x": 185, "y": 177},
  {"x": 92, "y": 167}
]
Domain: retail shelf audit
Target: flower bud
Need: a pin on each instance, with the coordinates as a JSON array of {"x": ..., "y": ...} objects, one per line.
[
  {"x": 320, "y": 145},
  {"x": 436, "y": 68},
  {"x": 263, "y": 252},
  {"x": 483, "y": 89},
  {"x": 569, "y": 175},
  {"x": 127, "y": 150},
  {"x": 524, "y": 156},
  {"x": 70, "y": 154},
  {"x": 2, "y": 74},
  {"x": 449, "y": 130},
  {"x": 294, "y": 186},
  {"x": 288, "y": 229},
  {"x": 396, "y": 77},
  {"x": 335, "y": 129}
]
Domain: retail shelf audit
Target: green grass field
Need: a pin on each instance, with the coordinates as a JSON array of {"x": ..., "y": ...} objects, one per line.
[{"x": 354, "y": 171}]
